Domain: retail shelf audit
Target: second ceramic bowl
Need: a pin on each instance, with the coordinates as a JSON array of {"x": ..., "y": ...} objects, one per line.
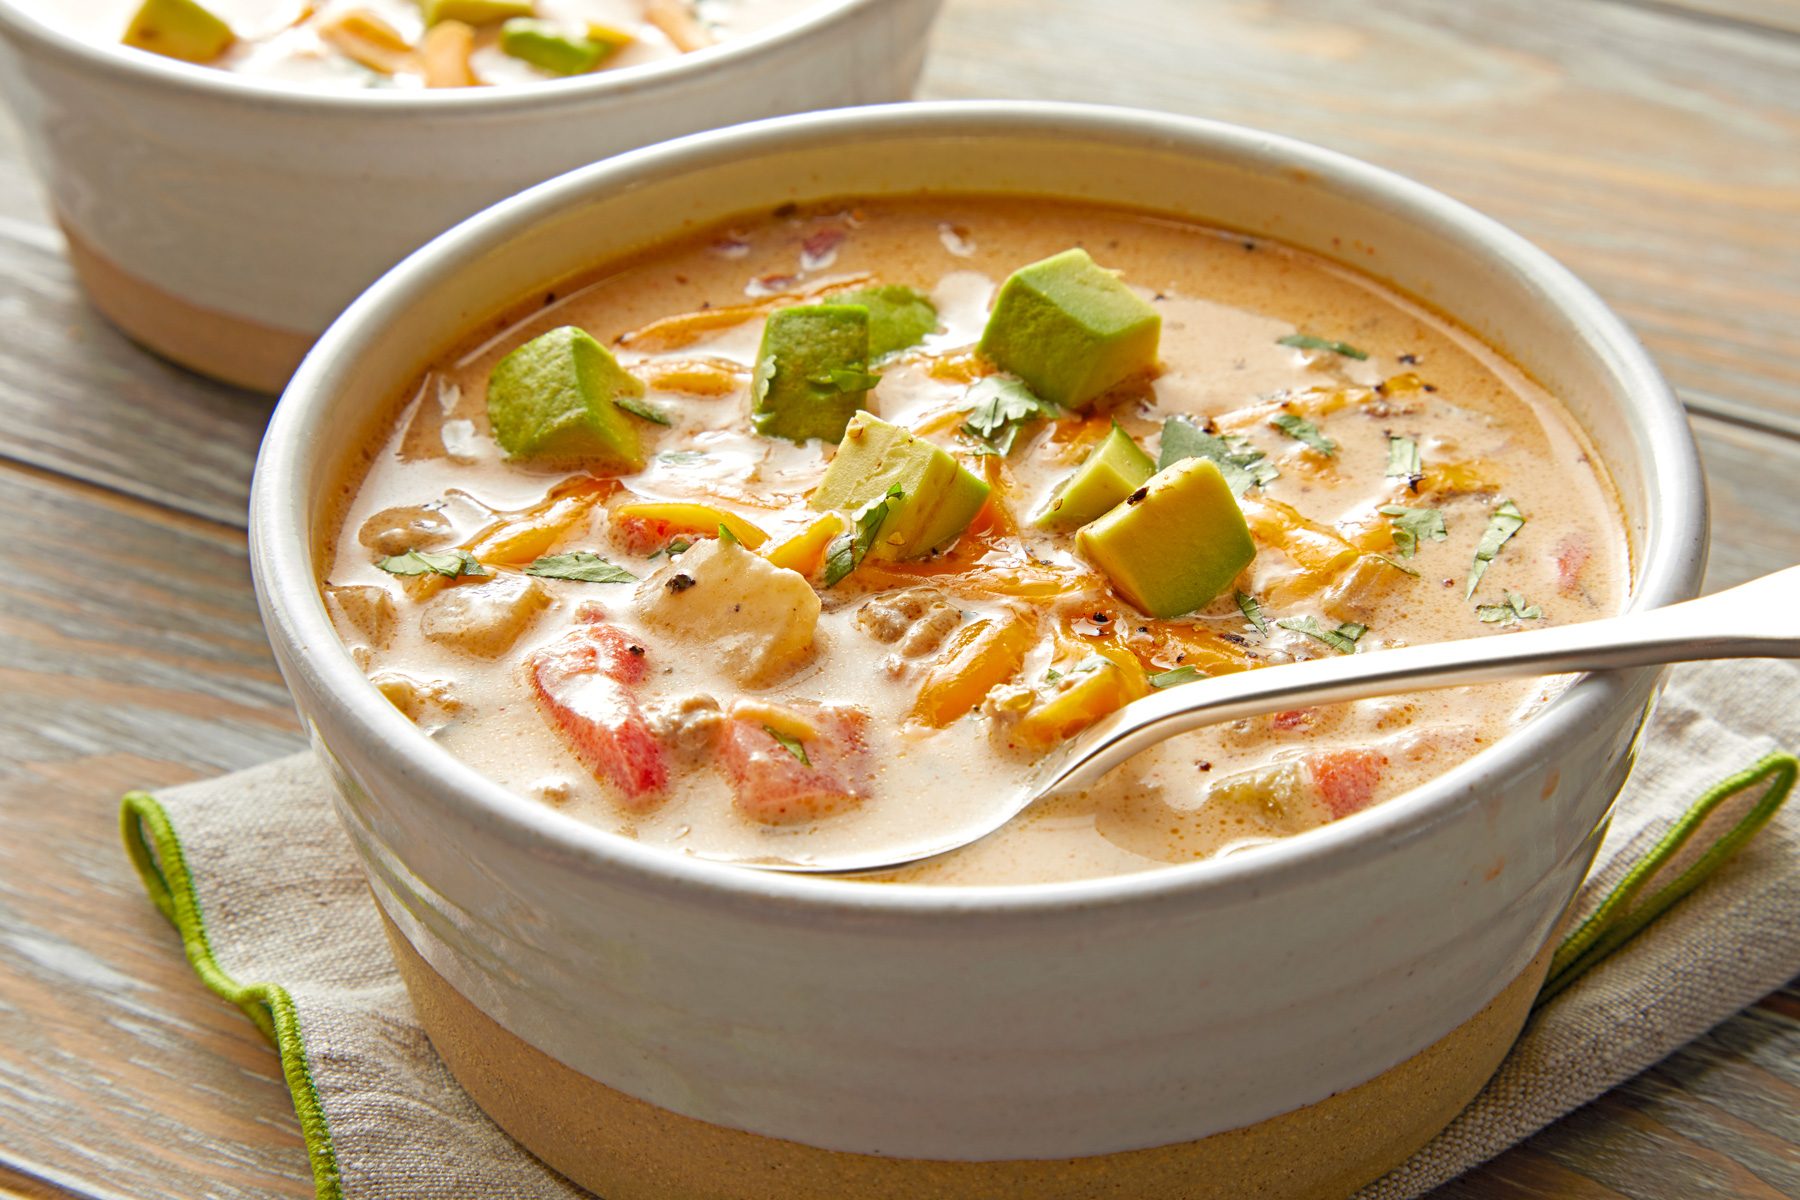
[{"x": 223, "y": 221}]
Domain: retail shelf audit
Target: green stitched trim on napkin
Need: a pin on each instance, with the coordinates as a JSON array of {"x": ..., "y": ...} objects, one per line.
[
  {"x": 156, "y": 852},
  {"x": 1616, "y": 921}
]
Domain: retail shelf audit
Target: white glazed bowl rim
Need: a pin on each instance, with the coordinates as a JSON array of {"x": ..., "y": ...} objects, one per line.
[
  {"x": 283, "y": 564},
  {"x": 231, "y": 87}
]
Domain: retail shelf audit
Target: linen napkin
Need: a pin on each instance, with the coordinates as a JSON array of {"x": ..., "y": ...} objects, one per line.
[{"x": 1692, "y": 912}]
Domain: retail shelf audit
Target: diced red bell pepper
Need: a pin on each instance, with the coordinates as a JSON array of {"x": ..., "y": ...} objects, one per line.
[
  {"x": 582, "y": 687},
  {"x": 1571, "y": 556},
  {"x": 773, "y": 786},
  {"x": 1346, "y": 779}
]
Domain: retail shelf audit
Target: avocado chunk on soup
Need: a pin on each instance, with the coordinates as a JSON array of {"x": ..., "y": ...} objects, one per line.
[
  {"x": 414, "y": 43},
  {"x": 743, "y": 642}
]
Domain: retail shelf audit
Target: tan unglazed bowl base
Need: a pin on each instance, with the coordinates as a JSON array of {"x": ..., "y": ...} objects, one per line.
[
  {"x": 625, "y": 1149},
  {"x": 231, "y": 349}
]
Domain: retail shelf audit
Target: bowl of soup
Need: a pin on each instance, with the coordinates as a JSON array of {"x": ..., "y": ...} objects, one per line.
[
  {"x": 798, "y": 486},
  {"x": 231, "y": 173}
]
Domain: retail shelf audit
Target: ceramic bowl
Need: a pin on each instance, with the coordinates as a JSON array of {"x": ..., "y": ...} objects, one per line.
[
  {"x": 1287, "y": 1022},
  {"x": 224, "y": 221}
]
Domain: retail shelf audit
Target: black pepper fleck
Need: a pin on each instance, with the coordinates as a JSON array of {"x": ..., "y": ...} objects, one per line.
[
  {"x": 1138, "y": 496},
  {"x": 1204, "y": 765},
  {"x": 679, "y": 583},
  {"x": 1101, "y": 618},
  {"x": 637, "y": 650},
  {"x": 783, "y": 211},
  {"x": 1411, "y": 360}
]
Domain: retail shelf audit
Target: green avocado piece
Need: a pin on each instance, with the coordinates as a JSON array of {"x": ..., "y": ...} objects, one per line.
[
  {"x": 179, "y": 29},
  {"x": 476, "y": 12},
  {"x": 553, "y": 398},
  {"x": 812, "y": 371},
  {"x": 940, "y": 496},
  {"x": 1175, "y": 543},
  {"x": 898, "y": 316},
  {"x": 1070, "y": 329},
  {"x": 1115, "y": 469},
  {"x": 545, "y": 45}
]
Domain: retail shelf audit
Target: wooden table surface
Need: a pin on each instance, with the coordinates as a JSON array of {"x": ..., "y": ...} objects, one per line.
[{"x": 1653, "y": 145}]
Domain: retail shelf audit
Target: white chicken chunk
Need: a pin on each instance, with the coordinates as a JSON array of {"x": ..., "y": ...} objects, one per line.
[
  {"x": 757, "y": 618},
  {"x": 366, "y": 608},
  {"x": 484, "y": 619}
]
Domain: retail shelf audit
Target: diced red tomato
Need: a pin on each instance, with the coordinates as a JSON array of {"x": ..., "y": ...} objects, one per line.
[
  {"x": 1571, "y": 556},
  {"x": 772, "y": 785},
  {"x": 582, "y": 687},
  {"x": 1346, "y": 779},
  {"x": 1292, "y": 719}
]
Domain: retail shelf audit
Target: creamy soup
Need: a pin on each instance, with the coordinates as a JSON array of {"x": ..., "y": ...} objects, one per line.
[
  {"x": 414, "y": 43},
  {"x": 820, "y": 528}
]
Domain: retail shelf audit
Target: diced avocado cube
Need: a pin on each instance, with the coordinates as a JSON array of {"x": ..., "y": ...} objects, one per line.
[
  {"x": 1173, "y": 544},
  {"x": 898, "y": 316},
  {"x": 476, "y": 12},
  {"x": 1070, "y": 329},
  {"x": 1115, "y": 469},
  {"x": 552, "y": 398},
  {"x": 812, "y": 371},
  {"x": 940, "y": 496},
  {"x": 179, "y": 29},
  {"x": 546, "y": 46}
]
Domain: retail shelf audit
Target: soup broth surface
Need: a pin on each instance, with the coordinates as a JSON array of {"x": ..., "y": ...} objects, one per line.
[{"x": 1332, "y": 573}]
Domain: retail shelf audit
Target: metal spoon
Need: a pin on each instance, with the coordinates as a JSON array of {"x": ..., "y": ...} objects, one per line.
[{"x": 1759, "y": 619}]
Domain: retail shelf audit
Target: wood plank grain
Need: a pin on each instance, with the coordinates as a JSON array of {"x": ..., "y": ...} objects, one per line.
[
  {"x": 78, "y": 397},
  {"x": 1656, "y": 155},
  {"x": 1756, "y": 503},
  {"x": 1782, "y": 16},
  {"x": 119, "y": 1072}
]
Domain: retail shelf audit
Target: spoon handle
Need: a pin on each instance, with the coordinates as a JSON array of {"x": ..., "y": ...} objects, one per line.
[{"x": 1759, "y": 619}]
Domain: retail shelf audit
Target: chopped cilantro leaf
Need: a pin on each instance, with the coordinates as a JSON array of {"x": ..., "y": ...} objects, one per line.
[
  {"x": 1412, "y": 526},
  {"x": 583, "y": 566},
  {"x": 726, "y": 536},
  {"x": 674, "y": 547},
  {"x": 1403, "y": 459},
  {"x": 1506, "y": 521},
  {"x": 451, "y": 564},
  {"x": 847, "y": 551},
  {"x": 791, "y": 744},
  {"x": 1342, "y": 639},
  {"x": 638, "y": 408},
  {"x": 1000, "y": 406},
  {"x": 1514, "y": 609},
  {"x": 1300, "y": 429},
  {"x": 1252, "y": 612},
  {"x": 1178, "y": 675},
  {"x": 1242, "y": 464},
  {"x": 1306, "y": 341}
]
